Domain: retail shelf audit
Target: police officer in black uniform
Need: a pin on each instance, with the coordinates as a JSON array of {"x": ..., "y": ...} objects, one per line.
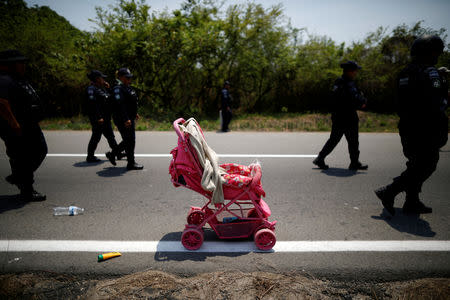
[
  {"x": 20, "y": 112},
  {"x": 423, "y": 125},
  {"x": 99, "y": 114},
  {"x": 125, "y": 113},
  {"x": 346, "y": 99},
  {"x": 226, "y": 106}
]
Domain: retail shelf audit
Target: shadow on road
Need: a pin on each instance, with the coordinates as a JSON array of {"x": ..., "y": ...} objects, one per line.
[
  {"x": 84, "y": 164},
  {"x": 339, "y": 172},
  {"x": 210, "y": 235},
  {"x": 411, "y": 224},
  {"x": 10, "y": 202},
  {"x": 112, "y": 172}
]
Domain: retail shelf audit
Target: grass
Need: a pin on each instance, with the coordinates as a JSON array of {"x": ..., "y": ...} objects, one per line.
[{"x": 283, "y": 122}]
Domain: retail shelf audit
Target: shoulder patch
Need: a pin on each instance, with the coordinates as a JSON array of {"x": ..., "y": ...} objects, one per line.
[
  {"x": 432, "y": 72},
  {"x": 436, "y": 83},
  {"x": 403, "y": 81}
]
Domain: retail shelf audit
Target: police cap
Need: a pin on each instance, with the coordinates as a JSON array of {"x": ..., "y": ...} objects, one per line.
[
  {"x": 94, "y": 74},
  {"x": 124, "y": 72},
  {"x": 10, "y": 56},
  {"x": 444, "y": 70},
  {"x": 350, "y": 65},
  {"x": 226, "y": 82},
  {"x": 425, "y": 45}
]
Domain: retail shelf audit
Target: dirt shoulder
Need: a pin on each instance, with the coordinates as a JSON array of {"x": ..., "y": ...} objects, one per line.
[{"x": 217, "y": 285}]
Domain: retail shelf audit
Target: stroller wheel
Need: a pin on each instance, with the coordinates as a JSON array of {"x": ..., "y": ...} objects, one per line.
[
  {"x": 192, "y": 238},
  {"x": 195, "y": 217},
  {"x": 265, "y": 239}
]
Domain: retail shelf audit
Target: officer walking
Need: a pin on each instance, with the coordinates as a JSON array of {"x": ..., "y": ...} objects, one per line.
[
  {"x": 346, "y": 99},
  {"x": 99, "y": 114},
  {"x": 20, "y": 112},
  {"x": 226, "y": 106},
  {"x": 125, "y": 114},
  {"x": 423, "y": 125}
]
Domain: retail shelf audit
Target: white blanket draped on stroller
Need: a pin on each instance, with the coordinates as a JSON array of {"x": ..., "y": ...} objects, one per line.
[{"x": 212, "y": 178}]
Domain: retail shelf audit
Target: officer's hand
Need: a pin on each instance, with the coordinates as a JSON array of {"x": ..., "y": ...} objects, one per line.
[
  {"x": 128, "y": 124},
  {"x": 101, "y": 121},
  {"x": 138, "y": 116},
  {"x": 363, "y": 106}
]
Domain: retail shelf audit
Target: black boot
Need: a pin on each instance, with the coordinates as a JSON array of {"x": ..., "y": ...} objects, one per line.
[
  {"x": 413, "y": 205},
  {"x": 320, "y": 163},
  {"x": 354, "y": 166},
  {"x": 30, "y": 195},
  {"x": 387, "y": 195},
  {"x": 121, "y": 155},
  {"x": 134, "y": 166},
  {"x": 92, "y": 159},
  {"x": 111, "y": 157}
]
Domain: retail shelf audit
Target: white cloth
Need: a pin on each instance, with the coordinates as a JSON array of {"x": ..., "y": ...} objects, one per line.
[{"x": 212, "y": 178}]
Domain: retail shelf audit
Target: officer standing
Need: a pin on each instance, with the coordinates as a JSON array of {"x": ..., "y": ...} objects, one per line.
[
  {"x": 125, "y": 114},
  {"x": 20, "y": 112},
  {"x": 99, "y": 114},
  {"x": 423, "y": 125},
  {"x": 226, "y": 106},
  {"x": 346, "y": 99}
]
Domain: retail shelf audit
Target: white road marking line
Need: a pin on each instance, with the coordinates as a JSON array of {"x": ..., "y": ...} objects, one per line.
[
  {"x": 222, "y": 246},
  {"x": 220, "y": 155}
]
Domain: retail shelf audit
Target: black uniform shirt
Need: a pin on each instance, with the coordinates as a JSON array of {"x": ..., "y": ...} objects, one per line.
[
  {"x": 346, "y": 100},
  {"x": 23, "y": 99},
  {"x": 420, "y": 96},
  {"x": 126, "y": 102},
  {"x": 226, "y": 99},
  {"x": 98, "y": 103},
  {"x": 422, "y": 104}
]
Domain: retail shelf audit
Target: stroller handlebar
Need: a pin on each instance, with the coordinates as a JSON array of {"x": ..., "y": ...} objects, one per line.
[
  {"x": 177, "y": 128},
  {"x": 257, "y": 177}
]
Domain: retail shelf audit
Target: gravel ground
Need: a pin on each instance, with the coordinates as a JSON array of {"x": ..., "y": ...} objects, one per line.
[{"x": 218, "y": 285}]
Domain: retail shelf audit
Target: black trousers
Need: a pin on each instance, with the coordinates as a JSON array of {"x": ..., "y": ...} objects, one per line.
[
  {"x": 226, "y": 119},
  {"x": 26, "y": 153},
  {"x": 351, "y": 134},
  {"x": 128, "y": 141},
  {"x": 97, "y": 131},
  {"x": 422, "y": 161}
]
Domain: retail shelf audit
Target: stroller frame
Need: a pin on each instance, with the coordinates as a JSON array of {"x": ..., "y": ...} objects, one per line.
[{"x": 249, "y": 217}]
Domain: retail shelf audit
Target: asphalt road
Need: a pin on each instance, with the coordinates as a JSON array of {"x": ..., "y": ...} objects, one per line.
[{"x": 309, "y": 205}]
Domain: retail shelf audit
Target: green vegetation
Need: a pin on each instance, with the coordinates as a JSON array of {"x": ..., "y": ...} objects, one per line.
[
  {"x": 369, "y": 122},
  {"x": 181, "y": 59}
]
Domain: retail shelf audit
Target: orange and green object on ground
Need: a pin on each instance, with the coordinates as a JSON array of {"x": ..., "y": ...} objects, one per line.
[{"x": 108, "y": 255}]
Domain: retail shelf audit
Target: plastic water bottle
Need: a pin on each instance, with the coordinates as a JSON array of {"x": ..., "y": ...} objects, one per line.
[{"x": 68, "y": 211}]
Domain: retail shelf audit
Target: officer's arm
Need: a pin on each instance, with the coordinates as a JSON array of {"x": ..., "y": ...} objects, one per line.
[
  {"x": 98, "y": 105},
  {"x": 7, "y": 114},
  {"x": 95, "y": 103},
  {"x": 359, "y": 101},
  {"x": 121, "y": 107}
]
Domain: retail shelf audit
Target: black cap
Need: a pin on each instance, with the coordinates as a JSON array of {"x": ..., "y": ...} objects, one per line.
[
  {"x": 9, "y": 56},
  {"x": 94, "y": 74},
  {"x": 226, "y": 82},
  {"x": 350, "y": 65},
  {"x": 124, "y": 72},
  {"x": 425, "y": 45}
]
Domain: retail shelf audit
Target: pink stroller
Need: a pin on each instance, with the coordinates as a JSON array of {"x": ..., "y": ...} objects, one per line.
[{"x": 243, "y": 212}]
